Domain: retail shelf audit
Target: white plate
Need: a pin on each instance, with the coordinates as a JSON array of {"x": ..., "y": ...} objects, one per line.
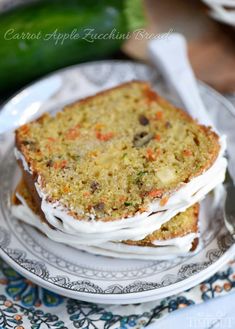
[
  {"x": 222, "y": 11},
  {"x": 78, "y": 274}
]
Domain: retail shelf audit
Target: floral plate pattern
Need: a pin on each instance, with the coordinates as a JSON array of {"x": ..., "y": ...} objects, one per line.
[
  {"x": 78, "y": 274},
  {"x": 25, "y": 305}
]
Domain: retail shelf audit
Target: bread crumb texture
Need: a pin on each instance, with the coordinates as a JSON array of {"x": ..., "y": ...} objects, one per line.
[{"x": 112, "y": 154}]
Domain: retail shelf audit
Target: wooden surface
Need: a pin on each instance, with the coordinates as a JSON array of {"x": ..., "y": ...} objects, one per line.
[{"x": 211, "y": 45}]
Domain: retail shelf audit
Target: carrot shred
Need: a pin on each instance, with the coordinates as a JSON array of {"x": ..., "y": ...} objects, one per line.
[
  {"x": 159, "y": 115},
  {"x": 25, "y": 129},
  {"x": 150, "y": 155},
  {"x": 164, "y": 201},
  {"x": 60, "y": 164},
  {"x": 157, "y": 137},
  {"x": 150, "y": 95},
  {"x": 104, "y": 137},
  {"x": 155, "y": 193},
  {"x": 73, "y": 132},
  {"x": 51, "y": 139},
  {"x": 142, "y": 209},
  {"x": 63, "y": 163},
  {"x": 187, "y": 153}
]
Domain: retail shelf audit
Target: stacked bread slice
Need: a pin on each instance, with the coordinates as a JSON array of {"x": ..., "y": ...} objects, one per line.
[{"x": 120, "y": 173}]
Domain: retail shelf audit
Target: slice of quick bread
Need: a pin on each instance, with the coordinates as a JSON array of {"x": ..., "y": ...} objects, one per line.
[
  {"x": 179, "y": 226},
  {"x": 112, "y": 154}
]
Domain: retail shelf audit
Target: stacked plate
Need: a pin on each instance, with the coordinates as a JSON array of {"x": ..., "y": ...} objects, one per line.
[{"x": 79, "y": 274}]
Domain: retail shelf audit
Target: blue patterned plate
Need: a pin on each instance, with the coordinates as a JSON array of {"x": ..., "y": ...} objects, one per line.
[{"x": 78, "y": 274}]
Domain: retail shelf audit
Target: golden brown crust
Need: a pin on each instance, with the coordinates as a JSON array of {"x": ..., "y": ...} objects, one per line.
[
  {"x": 34, "y": 199},
  {"x": 27, "y": 193},
  {"x": 194, "y": 244},
  {"x": 105, "y": 92}
]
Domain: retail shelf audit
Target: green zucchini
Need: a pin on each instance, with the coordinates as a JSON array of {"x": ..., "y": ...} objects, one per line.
[{"x": 50, "y": 34}]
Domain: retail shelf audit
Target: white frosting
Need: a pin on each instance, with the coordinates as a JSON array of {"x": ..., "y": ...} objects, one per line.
[
  {"x": 180, "y": 245},
  {"x": 134, "y": 252},
  {"x": 166, "y": 249},
  {"x": 19, "y": 156},
  {"x": 176, "y": 246},
  {"x": 140, "y": 225},
  {"x": 178, "y": 242}
]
